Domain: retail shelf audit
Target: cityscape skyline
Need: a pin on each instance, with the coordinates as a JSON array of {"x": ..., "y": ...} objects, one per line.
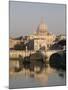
[
  {"x": 25, "y": 17},
  {"x": 37, "y": 44}
]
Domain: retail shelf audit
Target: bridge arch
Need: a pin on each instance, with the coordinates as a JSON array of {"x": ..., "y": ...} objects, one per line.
[
  {"x": 58, "y": 60},
  {"x": 49, "y": 53}
]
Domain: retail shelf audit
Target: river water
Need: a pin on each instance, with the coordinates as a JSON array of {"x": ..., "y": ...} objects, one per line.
[{"x": 39, "y": 77}]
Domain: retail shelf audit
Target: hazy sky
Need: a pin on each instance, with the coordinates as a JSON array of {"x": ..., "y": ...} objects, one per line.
[{"x": 25, "y": 17}]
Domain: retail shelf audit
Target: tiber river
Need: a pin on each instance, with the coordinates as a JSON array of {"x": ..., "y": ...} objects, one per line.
[{"x": 40, "y": 76}]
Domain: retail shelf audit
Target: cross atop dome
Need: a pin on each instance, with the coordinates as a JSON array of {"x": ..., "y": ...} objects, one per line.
[{"x": 42, "y": 20}]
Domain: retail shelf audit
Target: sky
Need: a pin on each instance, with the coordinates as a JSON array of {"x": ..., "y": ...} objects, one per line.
[{"x": 24, "y": 17}]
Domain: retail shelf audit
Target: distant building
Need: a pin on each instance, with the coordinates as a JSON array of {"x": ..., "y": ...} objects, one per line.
[
  {"x": 60, "y": 37},
  {"x": 42, "y": 38},
  {"x": 13, "y": 42}
]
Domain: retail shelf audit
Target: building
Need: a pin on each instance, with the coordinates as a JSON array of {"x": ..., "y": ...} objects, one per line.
[
  {"x": 42, "y": 38},
  {"x": 13, "y": 42},
  {"x": 61, "y": 37}
]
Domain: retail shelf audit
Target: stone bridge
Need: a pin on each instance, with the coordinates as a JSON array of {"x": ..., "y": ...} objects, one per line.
[
  {"x": 15, "y": 54},
  {"x": 49, "y": 53}
]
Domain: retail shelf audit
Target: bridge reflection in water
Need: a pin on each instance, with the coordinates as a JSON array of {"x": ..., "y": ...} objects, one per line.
[{"x": 31, "y": 59}]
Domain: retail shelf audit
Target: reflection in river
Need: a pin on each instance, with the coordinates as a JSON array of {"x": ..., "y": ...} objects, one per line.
[{"x": 35, "y": 75}]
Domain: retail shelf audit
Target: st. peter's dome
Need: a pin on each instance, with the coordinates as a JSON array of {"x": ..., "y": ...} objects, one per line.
[{"x": 42, "y": 28}]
